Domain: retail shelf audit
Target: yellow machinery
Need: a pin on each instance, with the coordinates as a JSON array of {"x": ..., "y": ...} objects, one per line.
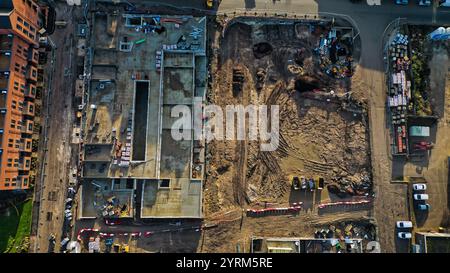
[{"x": 209, "y": 4}]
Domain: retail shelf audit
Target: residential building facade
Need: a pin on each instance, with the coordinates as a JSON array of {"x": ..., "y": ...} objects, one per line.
[{"x": 20, "y": 23}]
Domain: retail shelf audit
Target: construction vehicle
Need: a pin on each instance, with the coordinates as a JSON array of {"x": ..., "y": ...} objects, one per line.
[
  {"x": 118, "y": 248},
  {"x": 209, "y": 4},
  {"x": 295, "y": 183},
  {"x": 125, "y": 249}
]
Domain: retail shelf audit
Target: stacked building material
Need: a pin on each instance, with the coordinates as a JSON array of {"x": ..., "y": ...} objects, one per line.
[{"x": 399, "y": 93}]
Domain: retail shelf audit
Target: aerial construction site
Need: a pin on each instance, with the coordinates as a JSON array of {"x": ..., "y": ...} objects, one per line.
[
  {"x": 133, "y": 170},
  {"x": 323, "y": 140},
  {"x": 166, "y": 128}
]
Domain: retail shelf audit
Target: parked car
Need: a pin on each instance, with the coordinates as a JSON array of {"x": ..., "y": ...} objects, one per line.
[
  {"x": 401, "y": 2},
  {"x": 296, "y": 183},
  {"x": 425, "y": 3},
  {"x": 404, "y": 235},
  {"x": 303, "y": 183},
  {"x": 419, "y": 187},
  {"x": 404, "y": 224},
  {"x": 420, "y": 196},
  {"x": 423, "y": 207}
]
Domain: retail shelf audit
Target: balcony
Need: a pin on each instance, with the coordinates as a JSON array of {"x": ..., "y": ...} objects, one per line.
[
  {"x": 32, "y": 74},
  {"x": 27, "y": 127},
  {"x": 26, "y": 146},
  {"x": 23, "y": 181},
  {"x": 33, "y": 56},
  {"x": 25, "y": 163},
  {"x": 28, "y": 109},
  {"x": 30, "y": 91}
]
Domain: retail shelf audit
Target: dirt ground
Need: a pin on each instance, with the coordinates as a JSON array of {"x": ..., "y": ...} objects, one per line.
[
  {"x": 320, "y": 135},
  {"x": 60, "y": 155},
  {"x": 436, "y": 168}
]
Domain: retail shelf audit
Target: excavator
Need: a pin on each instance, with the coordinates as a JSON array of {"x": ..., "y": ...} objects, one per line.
[{"x": 209, "y": 4}]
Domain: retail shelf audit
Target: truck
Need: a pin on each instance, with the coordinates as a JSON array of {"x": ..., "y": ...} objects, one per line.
[{"x": 209, "y": 4}]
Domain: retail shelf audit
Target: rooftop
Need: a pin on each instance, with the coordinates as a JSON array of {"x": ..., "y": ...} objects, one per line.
[{"x": 134, "y": 85}]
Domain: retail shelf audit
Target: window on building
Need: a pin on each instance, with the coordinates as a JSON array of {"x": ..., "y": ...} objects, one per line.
[
  {"x": 25, "y": 181},
  {"x": 19, "y": 27}
]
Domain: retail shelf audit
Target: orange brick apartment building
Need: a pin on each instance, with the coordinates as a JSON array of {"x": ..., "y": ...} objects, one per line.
[{"x": 20, "y": 22}]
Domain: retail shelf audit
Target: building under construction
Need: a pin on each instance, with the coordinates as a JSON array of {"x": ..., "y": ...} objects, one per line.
[{"x": 142, "y": 66}]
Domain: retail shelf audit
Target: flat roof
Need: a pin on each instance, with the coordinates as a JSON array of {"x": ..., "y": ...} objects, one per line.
[
  {"x": 117, "y": 117},
  {"x": 182, "y": 199}
]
